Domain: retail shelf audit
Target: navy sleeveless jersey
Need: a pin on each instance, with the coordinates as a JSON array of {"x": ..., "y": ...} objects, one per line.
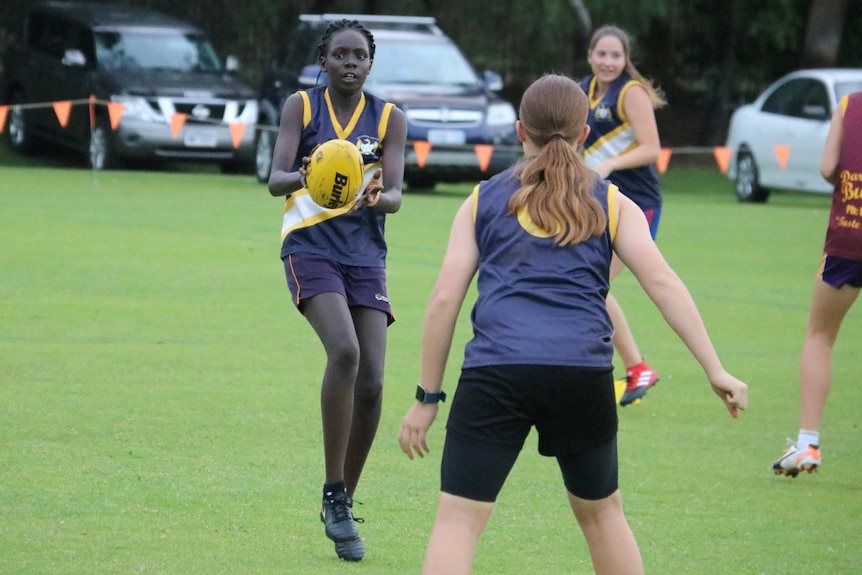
[
  {"x": 611, "y": 135},
  {"x": 348, "y": 237},
  {"x": 844, "y": 234},
  {"x": 539, "y": 302}
]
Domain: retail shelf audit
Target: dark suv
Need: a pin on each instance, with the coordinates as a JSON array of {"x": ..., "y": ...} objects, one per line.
[
  {"x": 457, "y": 127},
  {"x": 177, "y": 99}
]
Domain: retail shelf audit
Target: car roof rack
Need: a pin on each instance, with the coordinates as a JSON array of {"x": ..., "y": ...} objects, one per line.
[{"x": 386, "y": 22}]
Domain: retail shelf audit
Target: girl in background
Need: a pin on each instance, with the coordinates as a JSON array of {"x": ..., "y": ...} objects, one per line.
[{"x": 623, "y": 146}]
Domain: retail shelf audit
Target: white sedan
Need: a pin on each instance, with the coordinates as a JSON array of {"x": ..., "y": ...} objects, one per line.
[{"x": 777, "y": 141}]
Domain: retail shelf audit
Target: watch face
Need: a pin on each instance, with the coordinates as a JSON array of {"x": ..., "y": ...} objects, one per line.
[{"x": 420, "y": 393}]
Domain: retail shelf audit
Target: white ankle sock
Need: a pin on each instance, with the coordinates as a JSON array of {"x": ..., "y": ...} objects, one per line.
[{"x": 806, "y": 438}]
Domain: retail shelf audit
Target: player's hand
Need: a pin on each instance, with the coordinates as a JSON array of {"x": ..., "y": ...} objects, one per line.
[
  {"x": 733, "y": 392},
  {"x": 303, "y": 168},
  {"x": 371, "y": 194},
  {"x": 414, "y": 428}
]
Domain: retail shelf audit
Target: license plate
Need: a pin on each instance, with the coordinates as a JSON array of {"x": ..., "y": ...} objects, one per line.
[
  {"x": 193, "y": 138},
  {"x": 450, "y": 137}
]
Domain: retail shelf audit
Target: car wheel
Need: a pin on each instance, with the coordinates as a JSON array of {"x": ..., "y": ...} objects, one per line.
[
  {"x": 19, "y": 132},
  {"x": 747, "y": 183},
  {"x": 420, "y": 183},
  {"x": 263, "y": 154},
  {"x": 101, "y": 157}
]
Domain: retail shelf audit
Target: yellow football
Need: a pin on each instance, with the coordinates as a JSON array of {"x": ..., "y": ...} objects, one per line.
[{"x": 335, "y": 174}]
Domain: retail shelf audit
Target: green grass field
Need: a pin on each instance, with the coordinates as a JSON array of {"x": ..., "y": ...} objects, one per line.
[{"x": 159, "y": 393}]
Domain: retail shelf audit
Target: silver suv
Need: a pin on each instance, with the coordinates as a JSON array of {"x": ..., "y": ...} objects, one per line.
[{"x": 458, "y": 128}]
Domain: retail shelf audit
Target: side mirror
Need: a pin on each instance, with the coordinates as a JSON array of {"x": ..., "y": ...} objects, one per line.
[
  {"x": 74, "y": 57},
  {"x": 312, "y": 75},
  {"x": 492, "y": 80},
  {"x": 231, "y": 64}
]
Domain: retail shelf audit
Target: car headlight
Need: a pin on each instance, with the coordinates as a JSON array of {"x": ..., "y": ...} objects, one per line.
[
  {"x": 249, "y": 112},
  {"x": 500, "y": 114},
  {"x": 137, "y": 108}
]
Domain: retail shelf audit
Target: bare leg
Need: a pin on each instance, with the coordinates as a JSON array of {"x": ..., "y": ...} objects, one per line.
[
  {"x": 330, "y": 317},
  {"x": 828, "y": 308},
  {"x": 624, "y": 341},
  {"x": 457, "y": 528},
  {"x": 612, "y": 544},
  {"x": 368, "y": 394}
]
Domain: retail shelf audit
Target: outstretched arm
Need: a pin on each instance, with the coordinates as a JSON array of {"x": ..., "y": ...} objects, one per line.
[
  {"x": 441, "y": 315},
  {"x": 636, "y": 248}
]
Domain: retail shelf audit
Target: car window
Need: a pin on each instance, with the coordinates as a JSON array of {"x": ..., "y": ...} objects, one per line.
[
  {"x": 799, "y": 98},
  {"x": 166, "y": 50},
  {"x": 80, "y": 38},
  {"x": 300, "y": 52},
  {"x": 46, "y": 35},
  {"x": 846, "y": 88},
  {"x": 397, "y": 62}
]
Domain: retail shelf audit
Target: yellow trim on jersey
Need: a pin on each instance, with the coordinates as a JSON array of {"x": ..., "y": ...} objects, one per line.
[
  {"x": 306, "y": 108},
  {"x": 342, "y": 133},
  {"x": 384, "y": 121},
  {"x": 307, "y": 212},
  {"x": 844, "y": 101},
  {"x": 612, "y": 211},
  {"x": 622, "y": 98},
  {"x": 475, "y": 202}
]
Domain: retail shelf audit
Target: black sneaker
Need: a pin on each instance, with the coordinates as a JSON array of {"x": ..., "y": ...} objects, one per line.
[
  {"x": 337, "y": 517},
  {"x": 353, "y": 550}
]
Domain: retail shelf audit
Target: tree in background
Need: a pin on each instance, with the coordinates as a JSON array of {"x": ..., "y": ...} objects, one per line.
[{"x": 709, "y": 56}]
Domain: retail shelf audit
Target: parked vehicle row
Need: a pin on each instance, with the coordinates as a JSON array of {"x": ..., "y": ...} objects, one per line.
[{"x": 157, "y": 67}]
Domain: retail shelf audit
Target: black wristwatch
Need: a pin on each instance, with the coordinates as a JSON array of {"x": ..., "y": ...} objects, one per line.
[{"x": 423, "y": 396}]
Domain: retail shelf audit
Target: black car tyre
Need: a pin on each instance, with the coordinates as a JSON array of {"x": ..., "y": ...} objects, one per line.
[
  {"x": 19, "y": 132},
  {"x": 420, "y": 182},
  {"x": 747, "y": 182},
  {"x": 264, "y": 147},
  {"x": 100, "y": 155}
]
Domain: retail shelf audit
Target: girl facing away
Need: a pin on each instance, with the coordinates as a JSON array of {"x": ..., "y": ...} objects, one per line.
[{"x": 541, "y": 237}]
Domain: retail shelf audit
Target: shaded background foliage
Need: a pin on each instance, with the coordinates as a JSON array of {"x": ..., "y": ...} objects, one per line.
[{"x": 708, "y": 56}]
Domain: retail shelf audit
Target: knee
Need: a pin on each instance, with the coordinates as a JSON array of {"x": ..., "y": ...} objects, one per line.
[
  {"x": 593, "y": 512},
  {"x": 343, "y": 355},
  {"x": 369, "y": 389}
]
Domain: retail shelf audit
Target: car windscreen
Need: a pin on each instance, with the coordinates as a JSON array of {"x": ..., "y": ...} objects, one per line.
[
  {"x": 846, "y": 88},
  {"x": 155, "y": 50},
  {"x": 438, "y": 63}
]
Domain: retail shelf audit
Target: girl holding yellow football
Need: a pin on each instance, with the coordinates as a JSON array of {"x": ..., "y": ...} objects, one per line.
[{"x": 335, "y": 259}]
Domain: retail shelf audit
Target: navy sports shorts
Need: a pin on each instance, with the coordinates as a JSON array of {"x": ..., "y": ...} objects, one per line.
[
  {"x": 838, "y": 272},
  {"x": 494, "y": 409},
  {"x": 309, "y": 275}
]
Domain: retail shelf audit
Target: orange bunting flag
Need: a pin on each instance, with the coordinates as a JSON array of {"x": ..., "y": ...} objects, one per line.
[
  {"x": 422, "y": 150},
  {"x": 782, "y": 152},
  {"x": 115, "y": 111},
  {"x": 92, "y": 111},
  {"x": 722, "y": 157},
  {"x": 3, "y": 111},
  {"x": 484, "y": 153},
  {"x": 236, "y": 132},
  {"x": 663, "y": 159},
  {"x": 177, "y": 122},
  {"x": 62, "y": 110}
]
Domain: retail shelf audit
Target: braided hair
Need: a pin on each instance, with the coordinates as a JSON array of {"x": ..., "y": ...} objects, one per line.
[{"x": 344, "y": 24}]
